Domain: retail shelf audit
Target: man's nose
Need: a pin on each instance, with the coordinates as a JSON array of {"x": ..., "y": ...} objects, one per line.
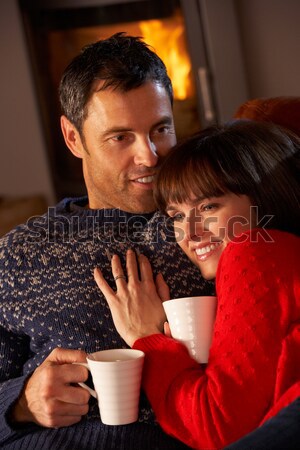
[{"x": 145, "y": 153}]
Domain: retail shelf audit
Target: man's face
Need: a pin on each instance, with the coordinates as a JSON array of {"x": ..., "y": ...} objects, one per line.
[{"x": 125, "y": 137}]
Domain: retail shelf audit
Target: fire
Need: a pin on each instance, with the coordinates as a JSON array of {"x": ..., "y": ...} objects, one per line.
[{"x": 167, "y": 37}]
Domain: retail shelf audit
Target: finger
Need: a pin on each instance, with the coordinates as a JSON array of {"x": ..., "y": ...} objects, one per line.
[
  {"x": 131, "y": 266},
  {"x": 75, "y": 395},
  {"x": 106, "y": 290},
  {"x": 117, "y": 270},
  {"x": 59, "y": 414},
  {"x": 145, "y": 268},
  {"x": 162, "y": 287},
  {"x": 65, "y": 356},
  {"x": 167, "y": 330},
  {"x": 74, "y": 373},
  {"x": 54, "y": 377}
]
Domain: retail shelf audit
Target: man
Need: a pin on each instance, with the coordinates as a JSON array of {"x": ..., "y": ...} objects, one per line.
[{"x": 116, "y": 99}]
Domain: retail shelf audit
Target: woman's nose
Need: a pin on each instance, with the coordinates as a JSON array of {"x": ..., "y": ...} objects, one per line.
[{"x": 194, "y": 227}]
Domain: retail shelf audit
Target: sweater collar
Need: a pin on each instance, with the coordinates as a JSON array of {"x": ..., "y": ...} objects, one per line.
[{"x": 78, "y": 206}]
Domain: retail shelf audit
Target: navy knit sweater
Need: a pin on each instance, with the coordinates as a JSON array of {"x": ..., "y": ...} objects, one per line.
[{"x": 49, "y": 299}]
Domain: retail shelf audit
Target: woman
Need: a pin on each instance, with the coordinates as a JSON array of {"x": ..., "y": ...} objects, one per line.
[{"x": 233, "y": 195}]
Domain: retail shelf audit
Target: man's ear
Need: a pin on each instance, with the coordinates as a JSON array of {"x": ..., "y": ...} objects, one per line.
[{"x": 71, "y": 136}]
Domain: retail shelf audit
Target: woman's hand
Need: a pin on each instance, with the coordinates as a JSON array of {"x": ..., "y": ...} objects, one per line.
[{"x": 136, "y": 307}]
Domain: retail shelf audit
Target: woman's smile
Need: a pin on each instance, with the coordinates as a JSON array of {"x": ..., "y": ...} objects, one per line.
[
  {"x": 205, "y": 226},
  {"x": 204, "y": 251}
]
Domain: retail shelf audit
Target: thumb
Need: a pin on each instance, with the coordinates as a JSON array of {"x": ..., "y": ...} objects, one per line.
[
  {"x": 167, "y": 330},
  {"x": 162, "y": 287}
]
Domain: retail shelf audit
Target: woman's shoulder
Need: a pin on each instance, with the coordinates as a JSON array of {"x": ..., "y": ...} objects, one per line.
[
  {"x": 263, "y": 248},
  {"x": 259, "y": 239}
]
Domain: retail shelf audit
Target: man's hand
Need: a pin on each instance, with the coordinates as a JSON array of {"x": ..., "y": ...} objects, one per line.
[{"x": 49, "y": 398}]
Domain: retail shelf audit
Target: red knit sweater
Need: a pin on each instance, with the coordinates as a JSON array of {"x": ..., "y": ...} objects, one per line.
[{"x": 253, "y": 368}]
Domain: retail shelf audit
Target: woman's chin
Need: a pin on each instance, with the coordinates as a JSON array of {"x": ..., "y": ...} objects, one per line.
[{"x": 208, "y": 273}]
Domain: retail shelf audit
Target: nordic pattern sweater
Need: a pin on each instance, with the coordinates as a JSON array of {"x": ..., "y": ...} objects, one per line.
[
  {"x": 49, "y": 299},
  {"x": 253, "y": 368}
]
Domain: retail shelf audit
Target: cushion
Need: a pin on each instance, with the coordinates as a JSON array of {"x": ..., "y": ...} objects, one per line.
[{"x": 283, "y": 111}]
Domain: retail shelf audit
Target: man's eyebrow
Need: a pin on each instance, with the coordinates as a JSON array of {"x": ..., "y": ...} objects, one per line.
[
  {"x": 115, "y": 130},
  {"x": 165, "y": 120}
]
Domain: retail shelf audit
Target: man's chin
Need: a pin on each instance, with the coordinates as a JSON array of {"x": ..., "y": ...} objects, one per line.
[
  {"x": 125, "y": 201},
  {"x": 143, "y": 206},
  {"x": 142, "y": 209}
]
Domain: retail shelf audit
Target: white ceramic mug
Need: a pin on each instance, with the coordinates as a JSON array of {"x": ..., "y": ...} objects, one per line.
[
  {"x": 116, "y": 375},
  {"x": 191, "y": 321}
]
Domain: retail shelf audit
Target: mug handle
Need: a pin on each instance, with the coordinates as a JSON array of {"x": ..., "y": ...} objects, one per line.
[{"x": 83, "y": 385}]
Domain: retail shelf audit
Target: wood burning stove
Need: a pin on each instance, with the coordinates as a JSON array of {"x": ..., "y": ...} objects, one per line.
[{"x": 58, "y": 29}]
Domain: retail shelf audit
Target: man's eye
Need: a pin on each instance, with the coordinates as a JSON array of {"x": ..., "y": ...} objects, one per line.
[
  {"x": 119, "y": 138},
  {"x": 164, "y": 129}
]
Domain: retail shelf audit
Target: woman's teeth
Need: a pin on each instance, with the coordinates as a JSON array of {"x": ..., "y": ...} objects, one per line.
[{"x": 207, "y": 249}]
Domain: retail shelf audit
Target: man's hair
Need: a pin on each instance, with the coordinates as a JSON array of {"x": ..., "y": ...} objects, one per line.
[
  {"x": 242, "y": 157},
  {"x": 122, "y": 62}
]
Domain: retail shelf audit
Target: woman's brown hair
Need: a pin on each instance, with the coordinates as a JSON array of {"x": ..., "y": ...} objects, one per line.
[{"x": 243, "y": 157}]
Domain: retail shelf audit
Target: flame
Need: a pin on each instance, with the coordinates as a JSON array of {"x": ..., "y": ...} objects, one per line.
[{"x": 167, "y": 37}]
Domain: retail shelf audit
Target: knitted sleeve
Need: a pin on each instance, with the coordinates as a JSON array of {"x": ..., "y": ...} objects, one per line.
[
  {"x": 14, "y": 346},
  {"x": 258, "y": 304}
]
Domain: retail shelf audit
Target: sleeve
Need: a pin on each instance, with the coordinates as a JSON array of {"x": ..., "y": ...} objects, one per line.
[
  {"x": 14, "y": 347},
  {"x": 13, "y": 352},
  {"x": 212, "y": 406}
]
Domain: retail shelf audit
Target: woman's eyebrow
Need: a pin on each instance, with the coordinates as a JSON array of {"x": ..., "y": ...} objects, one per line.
[
  {"x": 197, "y": 200},
  {"x": 194, "y": 202},
  {"x": 171, "y": 208}
]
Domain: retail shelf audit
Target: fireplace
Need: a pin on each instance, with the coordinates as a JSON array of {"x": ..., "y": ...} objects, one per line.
[{"x": 57, "y": 29}]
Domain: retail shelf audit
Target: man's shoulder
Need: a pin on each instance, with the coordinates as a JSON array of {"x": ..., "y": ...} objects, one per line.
[{"x": 35, "y": 228}]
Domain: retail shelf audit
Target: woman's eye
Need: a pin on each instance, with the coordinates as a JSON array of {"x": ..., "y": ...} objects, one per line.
[
  {"x": 177, "y": 217},
  {"x": 209, "y": 207}
]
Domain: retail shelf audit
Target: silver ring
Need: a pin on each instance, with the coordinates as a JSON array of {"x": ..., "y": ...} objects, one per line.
[{"x": 120, "y": 276}]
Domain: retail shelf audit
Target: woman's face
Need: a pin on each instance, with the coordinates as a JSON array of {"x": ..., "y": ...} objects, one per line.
[{"x": 204, "y": 226}]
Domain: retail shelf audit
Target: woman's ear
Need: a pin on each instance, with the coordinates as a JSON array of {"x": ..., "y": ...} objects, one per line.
[{"x": 72, "y": 137}]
